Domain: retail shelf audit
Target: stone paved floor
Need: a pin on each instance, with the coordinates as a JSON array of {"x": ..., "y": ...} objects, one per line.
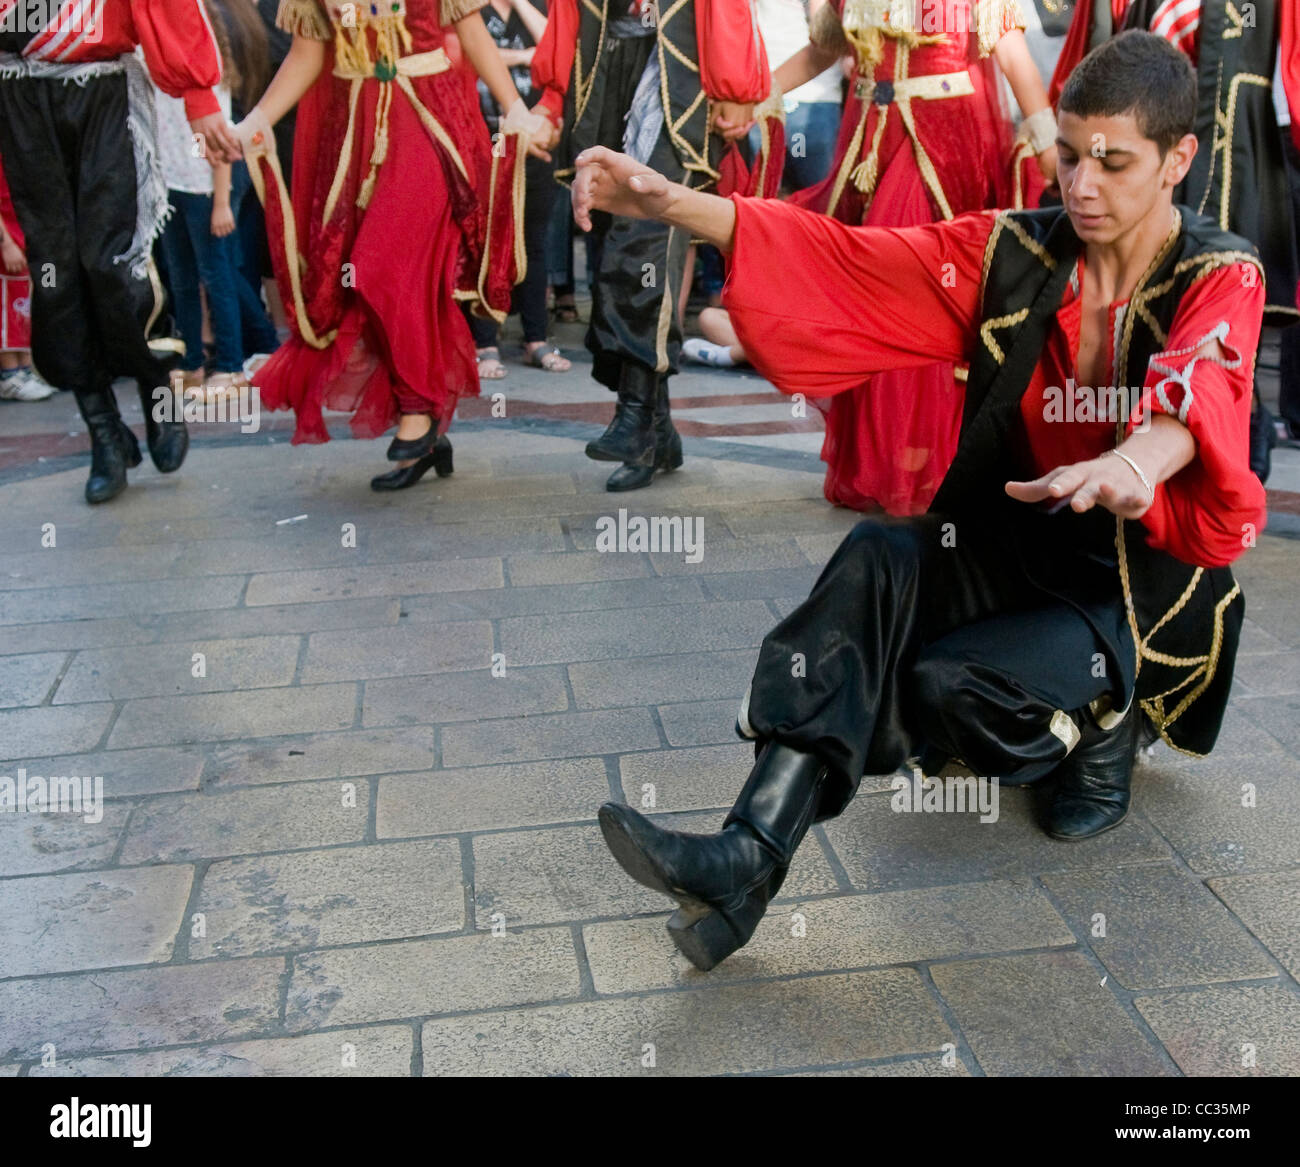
[{"x": 348, "y": 846}]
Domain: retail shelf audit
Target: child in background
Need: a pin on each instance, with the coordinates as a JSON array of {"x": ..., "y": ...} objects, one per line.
[{"x": 18, "y": 380}]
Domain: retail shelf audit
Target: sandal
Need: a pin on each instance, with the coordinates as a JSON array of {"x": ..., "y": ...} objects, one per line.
[
  {"x": 220, "y": 384},
  {"x": 547, "y": 356},
  {"x": 490, "y": 356},
  {"x": 565, "y": 310}
]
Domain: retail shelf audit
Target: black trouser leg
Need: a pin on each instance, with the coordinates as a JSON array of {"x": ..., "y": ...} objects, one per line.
[
  {"x": 895, "y": 644},
  {"x": 530, "y": 292}
]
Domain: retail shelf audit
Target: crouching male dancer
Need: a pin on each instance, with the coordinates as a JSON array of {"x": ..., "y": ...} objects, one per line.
[{"x": 1069, "y": 585}]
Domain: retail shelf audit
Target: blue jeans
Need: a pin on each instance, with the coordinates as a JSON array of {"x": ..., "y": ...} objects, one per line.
[
  {"x": 195, "y": 256},
  {"x": 250, "y": 232}
]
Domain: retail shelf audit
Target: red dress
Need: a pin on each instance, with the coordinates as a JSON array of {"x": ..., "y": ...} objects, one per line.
[
  {"x": 401, "y": 209},
  {"x": 881, "y": 301},
  {"x": 15, "y": 290},
  {"x": 941, "y": 146}
]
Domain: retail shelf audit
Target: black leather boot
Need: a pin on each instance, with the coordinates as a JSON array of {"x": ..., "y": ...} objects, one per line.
[
  {"x": 113, "y": 447},
  {"x": 1093, "y": 783},
  {"x": 630, "y": 436},
  {"x": 168, "y": 440},
  {"x": 668, "y": 448},
  {"x": 724, "y": 882}
]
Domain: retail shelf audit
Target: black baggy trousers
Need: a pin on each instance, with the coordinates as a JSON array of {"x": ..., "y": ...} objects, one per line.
[
  {"x": 70, "y": 165},
  {"x": 932, "y": 636}
]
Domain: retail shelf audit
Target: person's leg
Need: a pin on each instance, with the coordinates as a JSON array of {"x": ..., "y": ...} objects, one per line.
[
  {"x": 720, "y": 346},
  {"x": 257, "y": 333},
  {"x": 485, "y": 333},
  {"x": 826, "y": 705},
  {"x": 183, "y": 274},
  {"x": 216, "y": 263},
  {"x": 530, "y": 292}
]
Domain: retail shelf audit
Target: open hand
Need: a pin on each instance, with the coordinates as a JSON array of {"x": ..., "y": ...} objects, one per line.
[
  {"x": 1106, "y": 482},
  {"x": 612, "y": 182}
]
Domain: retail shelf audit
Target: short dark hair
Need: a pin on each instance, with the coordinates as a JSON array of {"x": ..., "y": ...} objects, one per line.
[{"x": 1136, "y": 73}]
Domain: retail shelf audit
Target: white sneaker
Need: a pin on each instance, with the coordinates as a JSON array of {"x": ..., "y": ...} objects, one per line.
[
  {"x": 708, "y": 353},
  {"x": 27, "y": 386}
]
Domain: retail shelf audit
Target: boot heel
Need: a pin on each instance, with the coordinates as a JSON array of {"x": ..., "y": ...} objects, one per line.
[
  {"x": 702, "y": 935},
  {"x": 442, "y": 466}
]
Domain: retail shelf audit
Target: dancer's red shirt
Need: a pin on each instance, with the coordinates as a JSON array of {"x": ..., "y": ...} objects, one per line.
[
  {"x": 819, "y": 306},
  {"x": 733, "y": 64},
  {"x": 180, "y": 48}
]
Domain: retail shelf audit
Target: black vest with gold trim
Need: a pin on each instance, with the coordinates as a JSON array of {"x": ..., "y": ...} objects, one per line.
[
  {"x": 1185, "y": 620},
  {"x": 686, "y": 106}
]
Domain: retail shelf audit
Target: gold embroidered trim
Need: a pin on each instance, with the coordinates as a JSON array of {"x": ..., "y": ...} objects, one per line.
[
  {"x": 692, "y": 159},
  {"x": 666, "y": 305},
  {"x": 304, "y": 18},
  {"x": 989, "y": 20},
  {"x": 1008, "y": 321},
  {"x": 1031, "y": 245},
  {"x": 1136, "y": 302}
]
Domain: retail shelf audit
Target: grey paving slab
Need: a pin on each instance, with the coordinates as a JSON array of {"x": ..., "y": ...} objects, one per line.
[
  {"x": 1279, "y": 716},
  {"x": 649, "y": 680},
  {"x": 943, "y": 1065},
  {"x": 406, "y": 579},
  {"x": 57, "y": 636},
  {"x": 732, "y": 555},
  {"x": 732, "y": 1029},
  {"x": 10, "y": 1071},
  {"x": 575, "y": 568},
  {"x": 26, "y": 679},
  {"x": 542, "y": 600},
  {"x": 809, "y": 516},
  {"x": 36, "y": 844},
  {"x": 487, "y": 798},
  {"x": 279, "y": 619},
  {"x": 129, "y": 772},
  {"x": 247, "y": 821},
  {"x": 99, "y": 919},
  {"x": 688, "y": 779},
  {"x": 164, "y": 670},
  {"x": 699, "y": 723},
  {"x": 421, "y": 978},
  {"x": 303, "y": 757},
  {"x": 1272, "y": 674},
  {"x": 377, "y": 1051},
  {"x": 465, "y": 696},
  {"x": 630, "y": 632},
  {"x": 747, "y": 585},
  {"x": 1198, "y": 806},
  {"x": 314, "y": 899},
  {"x": 839, "y": 933},
  {"x": 210, "y": 717},
  {"x": 1256, "y": 639},
  {"x": 664, "y": 524},
  {"x": 882, "y": 849},
  {"x": 137, "y": 1008},
  {"x": 402, "y": 651},
  {"x": 1161, "y": 927},
  {"x": 72, "y": 565},
  {"x": 44, "y": 730},
  {"x": 1269, "y": 905},
  {"x": 552, "y": 735},
  {"x": 91, "y": 601},
  {"x": 1044, "y": 1013},
  {"x": 1244, "y": 1031},
  {"x": 482, "y": 537}
]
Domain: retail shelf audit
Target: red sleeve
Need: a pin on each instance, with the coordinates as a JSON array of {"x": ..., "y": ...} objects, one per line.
[
  {"x": 1290, "y": 57},
  {"x": 1203, "y": 514},
  {"x": 819, "y": 306},
  {"x": 733, "y": 61},
  {"x": 1073, "y": 51},
  {"x": 553, "y": 58},
  {"x": 181, "y": 51}
]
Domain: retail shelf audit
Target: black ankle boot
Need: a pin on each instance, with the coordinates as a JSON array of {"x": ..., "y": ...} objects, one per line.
[
  {"x": 630, "y": 436},
  {"x": 113, "y": 447},
  {"x": 723, "y": 882},
  {"x": 1093, "y": 783},
  {"x": 439, "y": 457},
  {"x": 668, "y": 448},
  {"x": 168, "y": 440}
]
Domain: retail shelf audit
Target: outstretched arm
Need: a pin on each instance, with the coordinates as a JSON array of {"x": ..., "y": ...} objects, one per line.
[{"x": 607, "y": 181}]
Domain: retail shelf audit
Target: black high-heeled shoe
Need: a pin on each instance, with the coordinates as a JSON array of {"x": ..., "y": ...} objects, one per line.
[
  {"x": 439, "y": 458},
  {"x": 401, "y": 450}
]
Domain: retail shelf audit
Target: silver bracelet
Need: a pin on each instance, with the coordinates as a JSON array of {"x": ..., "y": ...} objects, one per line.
[{"x": 1151, "y": 490}]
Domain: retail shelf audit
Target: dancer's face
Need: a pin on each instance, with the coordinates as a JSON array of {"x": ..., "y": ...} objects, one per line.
[{"x": 1111, "y": 177}]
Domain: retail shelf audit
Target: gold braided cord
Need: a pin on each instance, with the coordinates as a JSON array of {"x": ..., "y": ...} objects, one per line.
[
  {"x": 379, "y": 146},
  {"x": 1031, "y": 244},
  {"x": 516, "y": 205},
  {"x": 998, "y": 224},
  {"x": 928, "y": 172},
  {"x": 1139, "y": 296},
  {"x": 345, "y": 154},
  {"x": 864, "y": 175},
  {"x": 690, "y": 109},
  {"x": 682, "y": 57},
  {"x": 293, "y": 258},
  {"x": 1225, "y": 120},
  {"x": 692, "y": 159},
  {"x": 842, "y": 176},
  {"x": 1178, "y": 606},
  {"x": 1008, "y": 321},
  {"x": 582, "y": 93},
  {"x": 1215, "y": 647}
]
